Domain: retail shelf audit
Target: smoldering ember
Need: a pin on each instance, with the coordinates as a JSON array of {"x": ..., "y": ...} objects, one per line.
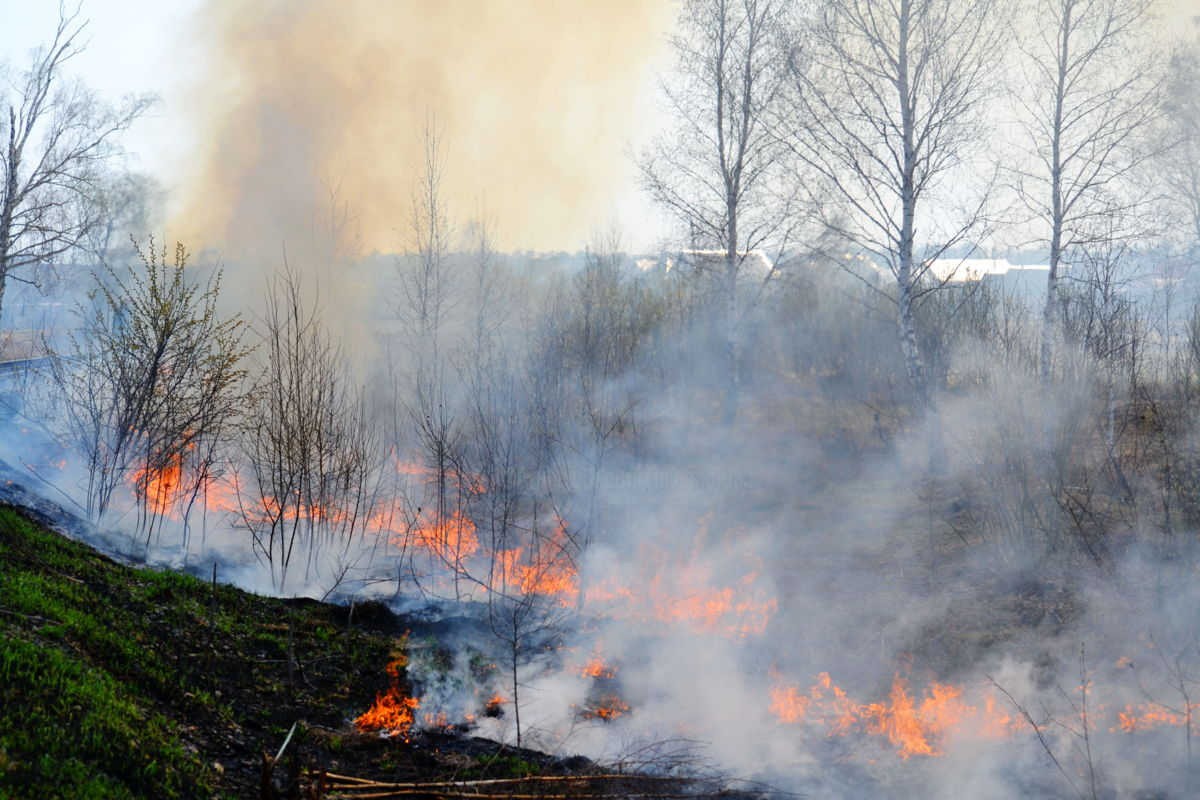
[{"x": 605, "y": 398}]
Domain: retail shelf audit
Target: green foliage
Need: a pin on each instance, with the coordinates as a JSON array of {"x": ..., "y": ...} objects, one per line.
[
  {"x": 78, "y": 733},
  {"x": 501, "y": 766},
  {"x": 112, "y": 679}
]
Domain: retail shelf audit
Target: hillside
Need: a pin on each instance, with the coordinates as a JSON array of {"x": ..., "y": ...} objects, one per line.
[{"x": 123, "y": 682}]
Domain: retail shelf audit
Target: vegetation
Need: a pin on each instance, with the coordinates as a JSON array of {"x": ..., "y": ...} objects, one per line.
[{"x": 120, "y": 682}]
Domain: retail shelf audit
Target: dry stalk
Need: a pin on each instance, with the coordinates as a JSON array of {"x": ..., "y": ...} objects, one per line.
[{"x": 576, "y": 786}]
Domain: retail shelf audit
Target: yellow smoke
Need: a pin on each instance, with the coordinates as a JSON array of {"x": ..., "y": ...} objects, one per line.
[{"x": 309, "y": 113}]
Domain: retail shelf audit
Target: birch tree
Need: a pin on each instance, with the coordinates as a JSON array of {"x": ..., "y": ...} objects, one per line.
[
  {"x": 1091, "y": 91},
  {"x": 1181, "y": 163},
  {"x": 889, "y": 104},
  {"x": 721, "y": 170}
]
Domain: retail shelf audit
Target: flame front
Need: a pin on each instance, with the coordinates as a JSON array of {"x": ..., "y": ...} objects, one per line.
[
  {"x": 914, "y": 726},
  {"x": 450, "y": 538},
  {"x": 596, "y": 668},
  {"x": 393, "y": 712},
  {"x": 161, "y": 486},
  {"x": 607, "y": 709}
]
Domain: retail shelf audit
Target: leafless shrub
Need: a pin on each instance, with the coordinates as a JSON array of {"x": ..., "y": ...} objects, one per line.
[{"x": 311, "y": 477}]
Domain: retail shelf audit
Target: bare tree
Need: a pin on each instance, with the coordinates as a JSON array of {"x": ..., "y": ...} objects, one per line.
[
  {"x": 530, "y": 574},
  {"x": 127, "y": 205},
  {"x": 1091, "y": 91},
  {"x": 522, "y": 615},
  {"x": 56, "y": 136},
  {"x": 721, "y": 169},
  {"x": 425, "y": 280},
  {"x": 312, "y": 471},
  {"x": 490, "y": 292},
  {"x": 425, "y": 298},
  {"x": 588, "y": 374},
  {"x": 890, "y": 100},
  {"x": 1181, "y": 163}
]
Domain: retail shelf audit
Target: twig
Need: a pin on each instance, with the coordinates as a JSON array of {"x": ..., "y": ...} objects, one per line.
[
  {"x": 286, "y": 742},
  {"x": 1037, "y": 730}
]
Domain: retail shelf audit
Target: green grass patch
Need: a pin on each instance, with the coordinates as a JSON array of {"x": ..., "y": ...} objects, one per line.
[{"x": 124, "y": 683}]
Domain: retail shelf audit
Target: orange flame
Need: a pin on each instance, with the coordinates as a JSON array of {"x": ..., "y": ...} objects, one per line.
[
  {"x": 682, "y": 592},
  {"x": 915, "y": 726},
  {"x": 1146, "y": 716},
  {"x": 548, "y": 571},
  {"x": 608, "y": 709},
  {"x": 438, "y": 720},
  {"x": 160, "y": 486},
  {"x": 451, "y": 538},
  {"x": 471, "y": 484},
  {"x": 392, "y": 713},
  {"x": 596, "y": 668}
]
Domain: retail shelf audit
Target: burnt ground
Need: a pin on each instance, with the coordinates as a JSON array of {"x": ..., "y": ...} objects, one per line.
[{"x": 119, "y": 681}]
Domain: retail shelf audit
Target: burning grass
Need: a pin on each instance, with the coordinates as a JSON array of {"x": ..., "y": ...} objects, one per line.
[{"x": 394, "y": 711}]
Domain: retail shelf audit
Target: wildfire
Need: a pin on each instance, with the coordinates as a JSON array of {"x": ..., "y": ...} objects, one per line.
[
  {"x": 471, "y": 484},
  {"x": 683, "y": 593},
  {"x": 451, "y": 537},
  {"x": 548, "y": 571},
  {"x": 665, "y": 588},
  {"x": 923, "y": 724},
  {"x": 914, "y": 725},
  {"x": 438, "y": 720},
  {"x": 393, "y": 712},
  {"x": 596, "y": 668},
  {"x": 160, "y": 486},
  {"x": 1146, "y": 716},
  {"x": 494, "y": 706},
  {"x": 607, "y": 709}
]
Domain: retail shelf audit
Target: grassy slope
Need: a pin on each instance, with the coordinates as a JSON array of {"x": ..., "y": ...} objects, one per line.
[{"x": 114, "y": 684}]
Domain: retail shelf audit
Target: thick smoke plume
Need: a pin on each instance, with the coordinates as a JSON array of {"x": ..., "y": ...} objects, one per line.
[{"x": 306, "y": 106}]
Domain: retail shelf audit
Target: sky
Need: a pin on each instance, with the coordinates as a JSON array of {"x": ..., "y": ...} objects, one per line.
[
  {"x": 542, "y": 103},
  {"x": 133, "y": 46}
]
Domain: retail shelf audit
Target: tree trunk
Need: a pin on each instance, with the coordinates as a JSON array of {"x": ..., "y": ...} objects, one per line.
[
  {"x": 1050, "y": 322},
  {"x": 913, "y": 364},
  {"x": 729, "y": 406}
]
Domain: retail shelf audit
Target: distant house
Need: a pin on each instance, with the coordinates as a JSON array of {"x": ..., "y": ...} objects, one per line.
[
  {"x": 1025, "y": 281},
  {"x": 755, "y": 264}
]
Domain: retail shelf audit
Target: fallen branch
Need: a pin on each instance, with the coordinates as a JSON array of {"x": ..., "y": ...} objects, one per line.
[
  {"x": 502, "y": 781},
  {"x": 574, "y": 786}
]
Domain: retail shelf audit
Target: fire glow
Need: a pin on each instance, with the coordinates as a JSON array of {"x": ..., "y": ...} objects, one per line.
[
  {"x": 661, "y": 589},
  {"x": 664, "y": 590},
  {"x": 924, "y": 724},
  {"x": 393, "y": 712},
  {"x": 161, "y": 487},
  {"x": 914, "y": 725}
]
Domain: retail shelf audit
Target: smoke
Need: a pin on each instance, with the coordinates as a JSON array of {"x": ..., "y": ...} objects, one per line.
[{"x": 305, "y": 107}]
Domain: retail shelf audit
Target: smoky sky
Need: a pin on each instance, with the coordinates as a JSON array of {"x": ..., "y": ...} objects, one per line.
[{"x": 538, "y": 101}]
